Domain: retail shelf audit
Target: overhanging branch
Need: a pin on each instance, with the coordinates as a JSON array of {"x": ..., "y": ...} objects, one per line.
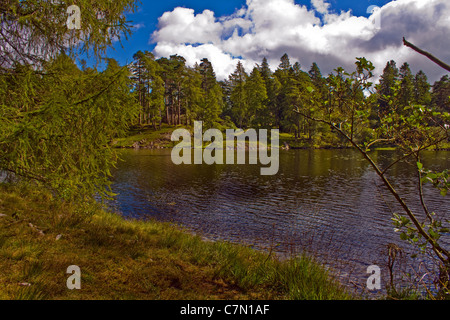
[{"x": 427, "y": 54}]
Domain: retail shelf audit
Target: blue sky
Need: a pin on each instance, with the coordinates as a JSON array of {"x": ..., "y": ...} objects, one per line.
[
  {"x": 147, "y": 16},
  {"x": 149, "y": 12},
  {"x": 330, "y": 32}
]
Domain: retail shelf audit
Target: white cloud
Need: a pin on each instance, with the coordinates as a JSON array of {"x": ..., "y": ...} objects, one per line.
[
  {"x": 270, "y": 28},
  {"x": 223, "y": 63},
  {"x": 183, "y": 26},
  {"x": 321, "y": 6},
  {"x": 138, "y": 26}
]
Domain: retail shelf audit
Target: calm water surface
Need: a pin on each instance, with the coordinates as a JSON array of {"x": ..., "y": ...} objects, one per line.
[{"x": 327, "y": 201}]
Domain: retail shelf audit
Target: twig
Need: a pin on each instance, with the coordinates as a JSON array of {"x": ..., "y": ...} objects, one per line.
[{"x": 422, "y": 200}]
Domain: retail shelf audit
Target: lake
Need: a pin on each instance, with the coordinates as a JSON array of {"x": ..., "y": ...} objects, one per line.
[{"x": 327, "y": 202}]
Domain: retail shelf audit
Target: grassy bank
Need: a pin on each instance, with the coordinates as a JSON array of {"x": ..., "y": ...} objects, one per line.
[
  {"x": 148, "y": 137},
  {"x": 122, "y": 259}
]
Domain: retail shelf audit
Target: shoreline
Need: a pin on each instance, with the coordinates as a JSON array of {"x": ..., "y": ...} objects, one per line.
[
  {"x": 132, "y": 259},
  {"x": 150, "y": 139}
]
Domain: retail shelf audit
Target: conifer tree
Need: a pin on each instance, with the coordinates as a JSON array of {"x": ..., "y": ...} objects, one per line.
[
  {"x": 273, "y": 87},
  {"x": 238, "y": 96},
  {"x": 441, "y": 94},
  {"x": 256, "y": 92},
  {"x": 406, "y": 94},
  {"x": 422, "y": 94},
  {"x": 318, "y": 80},
  {"x": 285, "y": 102},
  {"x": 178, "y": 64},
  {"x": 384, "y": 89},
  {"x": 211, "y": 105},
  {"x": 57, "y": 121},
  {"x": 194, "y": 94},
  {"x": 62, "y": 137}
]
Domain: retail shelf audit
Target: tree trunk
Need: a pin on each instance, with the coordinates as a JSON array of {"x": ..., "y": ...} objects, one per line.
[
  {"x": 179, "y": 110},
  {"x": 167, "y": 112}
]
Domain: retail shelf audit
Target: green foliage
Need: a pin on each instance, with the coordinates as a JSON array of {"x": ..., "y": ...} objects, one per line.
[
  {"x": 149, "y": 88},
  {"x": 406, "y": 91},
  {"x": 27, "y": 25},
  {"x": 422, "y": 94},
  {"x": 57, "y": 125},
  {"x": 238, "y": 96},
  {"x": 57, "y": 121},
  {"x": 440, "y": 99},
  {"x": 410, "y": 127},
  {"x": 439, "y": 180},
  {"x": 387, "y": 81},
  {"x": 171, "y": 92},
  {"x": 211, "y": 102},
  {"x": 257, "y": 97}
]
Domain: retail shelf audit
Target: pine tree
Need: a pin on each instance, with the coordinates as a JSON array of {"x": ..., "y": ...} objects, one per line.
[
  {"x": 179, "y": 77},
  {"x": 265, "y": 71},
  {"x": 138, "y": 71},
  {"x": 148, "y": 87},
  {"x": 154, "y": 91},
  {"x": 211, "y": 106},
  {"x": 406, "y": 94},
  {"x": 173, "y": 73},
  {"x": 285, "y": 104},
  {"x": 384, "y": 89},
  {"x": 238, "y": 96},
  {"x": 318, "y": 80},
  {"x": 194, "y": 94},
  {"x": 422, "y": 94},
  {"x": 285, "y": 64},
  {"x": 157, "y": 103},
  {"x": 440, "y": 98},
  {"x": 301, "y": 98},
  {"x": 273, "y": 88},
  {"x": 255, "y": 88}
]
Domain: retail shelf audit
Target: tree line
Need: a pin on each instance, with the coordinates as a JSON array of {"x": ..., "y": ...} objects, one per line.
[
  {"x": 63, "y": 113},
  {"x": 168, "y": 91}
]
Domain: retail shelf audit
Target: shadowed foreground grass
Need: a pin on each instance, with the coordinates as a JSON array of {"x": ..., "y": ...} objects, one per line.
[{"x": 122, "y": 259}]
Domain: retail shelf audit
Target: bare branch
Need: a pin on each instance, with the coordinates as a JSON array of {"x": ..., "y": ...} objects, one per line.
[
  {"x": 422, "y": 200},
  {"x": 427, "y": 54}
]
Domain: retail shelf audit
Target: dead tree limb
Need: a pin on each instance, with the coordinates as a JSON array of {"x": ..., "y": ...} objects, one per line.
[{"x": 427, "y": 54}]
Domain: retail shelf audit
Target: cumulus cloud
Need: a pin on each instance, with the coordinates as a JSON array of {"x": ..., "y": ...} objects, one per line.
[
  {"x": 270, "y": 28},
  {"x": 182, "y": 25},
  {"x": 321, "y": 6}
]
